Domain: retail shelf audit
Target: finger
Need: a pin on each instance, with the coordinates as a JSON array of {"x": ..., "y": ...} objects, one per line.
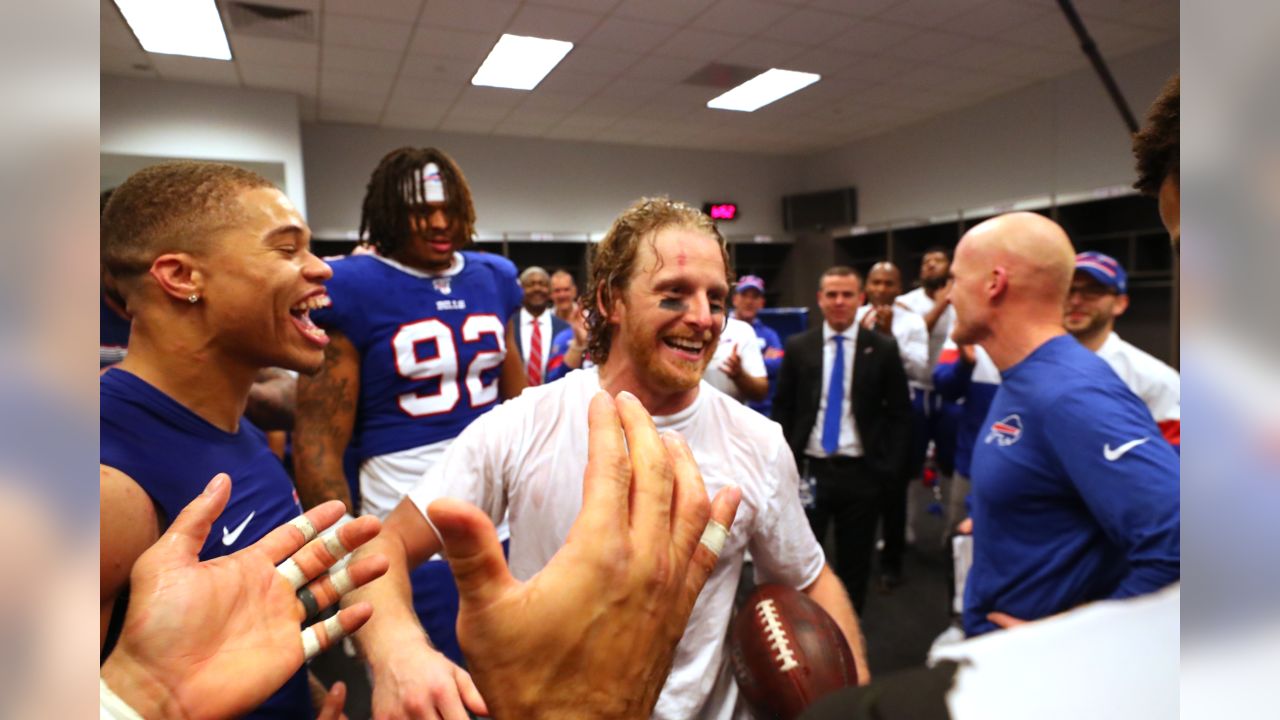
[
  {"x": 188, "y": 532},
  {"x": 472, "y": 548},
  {"x": 723, "y": 510},
  {"x": 1005, "y": 621},
  {"x": 607, "y": 480},
  {"x": 469, "y": 693},
  {"x": 329, "y": 589},
  {"x": 329, "y": 548},
  {"x": 690, "y": 507},
  {"x": 450, "y": 707},
  {"x": 289, "y": 537},
  {"x": 323, "y": 635},
  {"x": 334, "y": 700},
  {"x": 651, "y": 472}
]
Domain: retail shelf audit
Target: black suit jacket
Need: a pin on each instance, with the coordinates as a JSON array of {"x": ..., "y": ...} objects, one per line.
[{"x": 881, "y": 402}]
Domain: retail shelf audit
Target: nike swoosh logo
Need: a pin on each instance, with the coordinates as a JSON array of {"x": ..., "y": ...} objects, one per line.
[
  {"x": 1113, "y": 455},
  {"x": 229, "y": 538}
]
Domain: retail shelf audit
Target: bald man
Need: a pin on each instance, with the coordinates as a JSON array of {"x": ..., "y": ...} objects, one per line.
[{"x": 1075, "y": 491}]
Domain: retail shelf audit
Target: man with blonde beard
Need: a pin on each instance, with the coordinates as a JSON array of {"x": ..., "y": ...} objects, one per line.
[{"x": 660, "y": 280}]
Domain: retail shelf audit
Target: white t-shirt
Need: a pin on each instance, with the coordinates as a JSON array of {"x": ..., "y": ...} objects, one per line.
[
  {"x": 1156, "y": 383},
  {"x": 1111, "y": 659},
  {"x": 741, "y": 335},
  {"x": 913, "y": 342},
  {"x": 527, "y": 457},
  {"x": 918, "y": 302}
]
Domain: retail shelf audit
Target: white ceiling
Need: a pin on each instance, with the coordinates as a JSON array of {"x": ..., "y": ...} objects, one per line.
[{"x": 884, "y": 63}]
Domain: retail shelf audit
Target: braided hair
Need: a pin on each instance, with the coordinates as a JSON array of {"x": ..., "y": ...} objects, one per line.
[{"x": 397, "y": 190}]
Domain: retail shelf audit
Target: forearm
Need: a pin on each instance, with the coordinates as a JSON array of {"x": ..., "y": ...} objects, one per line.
[
  {"x": 272, "y": 400},
  {"x": 325, "y": 420},
  {"x": 828, "y": 592},
  {"x": 752, "y": 387},
  {"x": 318, "y": 467},
  {"x": 395, "y": 621},
  {"x": 931, "y": 317}
]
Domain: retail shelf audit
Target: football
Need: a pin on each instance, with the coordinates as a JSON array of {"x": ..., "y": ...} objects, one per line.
[{"x": 787, "y": 652}]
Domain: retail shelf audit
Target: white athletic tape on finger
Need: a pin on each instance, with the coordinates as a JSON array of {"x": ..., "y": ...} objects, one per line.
[
  {"x": 714, "y": 537},
  {"x": 342, "y": 582},
  {"x": 305, "y": 526},
  {"x": 334, "y": 545},
  {"x": 291, "y": 572},
  {"x": 311, "y": 639}
]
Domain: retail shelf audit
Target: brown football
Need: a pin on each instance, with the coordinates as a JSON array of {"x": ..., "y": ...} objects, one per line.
[{"x": 787, "y": 652}]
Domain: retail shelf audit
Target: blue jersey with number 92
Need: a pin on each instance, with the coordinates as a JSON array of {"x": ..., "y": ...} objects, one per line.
[{"x": 431, "y": 345}]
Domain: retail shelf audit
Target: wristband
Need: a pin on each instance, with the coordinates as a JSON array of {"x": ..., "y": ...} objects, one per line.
[{"x": 111, "y": 706}]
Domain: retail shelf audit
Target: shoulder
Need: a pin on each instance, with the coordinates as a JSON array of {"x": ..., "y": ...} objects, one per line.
[
  {"x": 128, "y": 522},
  {"x": 804, "y": 339},
  {"x": 1116, "y": 351},
  {"x": 756, "y": 433},
  {"x": 497, "y": 265}
]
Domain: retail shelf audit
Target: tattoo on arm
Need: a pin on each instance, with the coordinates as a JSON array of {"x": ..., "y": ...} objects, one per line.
[{"x": 325, "y": 420}]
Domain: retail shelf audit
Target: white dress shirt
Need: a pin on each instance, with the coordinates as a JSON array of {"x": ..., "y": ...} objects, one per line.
[
  {"x": 526, "y": 336},
  {"x": 912, "y": 334},
  {"x": 850, "y": 444}
]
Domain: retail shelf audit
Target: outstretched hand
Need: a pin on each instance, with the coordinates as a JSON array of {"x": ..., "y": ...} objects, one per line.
[
  {"x": 214, "y": 639},
  {"x": 593, "y": 634}
]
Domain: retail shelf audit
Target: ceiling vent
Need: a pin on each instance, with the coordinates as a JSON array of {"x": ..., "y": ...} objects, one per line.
[
  {"x": 271, "y": 21},
  {"x": 720, "y": 75}
]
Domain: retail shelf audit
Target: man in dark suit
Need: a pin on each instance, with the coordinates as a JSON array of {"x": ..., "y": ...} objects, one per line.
[
  {"x": 843, "y": 405},
  {"x": 535, "y": 327}
]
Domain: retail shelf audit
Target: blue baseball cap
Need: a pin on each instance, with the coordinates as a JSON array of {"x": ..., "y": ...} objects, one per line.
[
  {"x": 750, "y": 282},
  {"x": 1105, "y": 269}
]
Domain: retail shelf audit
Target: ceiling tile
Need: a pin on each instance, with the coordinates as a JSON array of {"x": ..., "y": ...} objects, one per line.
[
  {"x": 308, "y": 109},
  {"x": 872, "y": 36},
  {"x": 349, "y": 115},
  {"x": 596, "y": 61},
  {"x": 336, "y": 57},
  {"x": 927, "y": 13},
  {"x": 190, "y": 69},
  {"x": 995, "y": 17},
  {"x": 599, "y": 7},
  {"x": 399, "y": 10},
  {"x": 668, "y": 69},
  {"x": 487, "y": 97},
  {"x": 466, "y": 45},
  {"x": 438, "y": 68},
  {"x": 553, "y": 23},
  {"x": 543, "y": 101},
  {"x": 762, "y": 54},
  {"x": 299, "y": 80},
  {"x": 741, "y": 17},
  {"x": 483, "y": 15},
  {"x": 114, "y": 31},
  {"x": 341, "y": 82},
  {"x": 630, "y": 35},
  {"x": 469, "y": 125},
  {"x": 808, "y": 27},
  {"x": 694, "y": 44},
  {"x": 570, "y": 82},
  {"x": 362, "y": 32},
  {"x": 268, "y": 51},
  {"x": 438, "y": 91},
  {"x": 411, "y": 115},
  {"x": 825, "y": 60},
  {"x": 928, "y": 45},
  {"x": 857, "y": 8},
  {"x": 129, "y": 62},
  {"x": 881, "y": 68},
  {"x": 676, "y": 12}
]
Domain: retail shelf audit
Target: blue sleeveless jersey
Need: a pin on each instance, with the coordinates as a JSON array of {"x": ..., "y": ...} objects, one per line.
[
  {"x": 431, "y": 346},
  {"x": 172, "y": 453}
]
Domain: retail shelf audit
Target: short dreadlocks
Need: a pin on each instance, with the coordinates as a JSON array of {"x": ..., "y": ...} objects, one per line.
[
  {"x": 1156, "y": 144},
  {"x": 397, "y": 191}
]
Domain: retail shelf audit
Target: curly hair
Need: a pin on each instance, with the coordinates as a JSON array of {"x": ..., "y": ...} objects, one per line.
[
  {"x": 397, "y": 190},
  {"x": 1156, "y": 145},
  {"x": 171, "y": 207},
  {"x": 613, "y": 262}
]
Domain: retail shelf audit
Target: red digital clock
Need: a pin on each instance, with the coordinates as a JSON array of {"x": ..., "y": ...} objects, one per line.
[{"x": 721, "y": 211}]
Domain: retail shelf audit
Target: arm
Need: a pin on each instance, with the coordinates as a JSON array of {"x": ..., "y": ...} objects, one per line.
[
  {"x": 914, "y": 348},
  {"x": 754, "y": 387},
  {"x": 513, "y": 380},
  {"x": 828, "y": 592},
  {"x": 128, "y": 526},
  {"x": 326, "y": 416},
  {"x": 941, "y": 301},
  {"x": 773, "y": 354},
  {"x": 954, "y": 372},
  {"x": 272, "y": 399}
]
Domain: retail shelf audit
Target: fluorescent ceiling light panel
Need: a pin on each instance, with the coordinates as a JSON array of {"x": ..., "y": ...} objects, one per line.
[
  {"x": 520, "y": 62},
  {"x": 177, "y": 27},
  {"x": 768, "y": 86}
]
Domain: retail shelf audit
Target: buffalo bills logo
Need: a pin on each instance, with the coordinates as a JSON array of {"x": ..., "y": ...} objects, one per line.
[
  {"x": 442, "y": 285},
  {"x": 1005, "y": 432}
]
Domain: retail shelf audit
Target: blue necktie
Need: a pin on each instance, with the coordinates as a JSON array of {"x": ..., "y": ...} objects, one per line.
[{"x": 835, "y": 400}]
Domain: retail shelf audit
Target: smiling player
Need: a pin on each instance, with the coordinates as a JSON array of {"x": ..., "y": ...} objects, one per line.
[{"x": 215, "y": 268}]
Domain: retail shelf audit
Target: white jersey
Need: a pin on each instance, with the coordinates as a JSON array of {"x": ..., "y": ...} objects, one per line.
[
  {"x": 1156, "y": 383},
  {"x": 527, "y": 457},
  {"x": 919, "y": 302},
  {"x": 737, "y": 334},
  {"x": 913, "y": 343}
]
